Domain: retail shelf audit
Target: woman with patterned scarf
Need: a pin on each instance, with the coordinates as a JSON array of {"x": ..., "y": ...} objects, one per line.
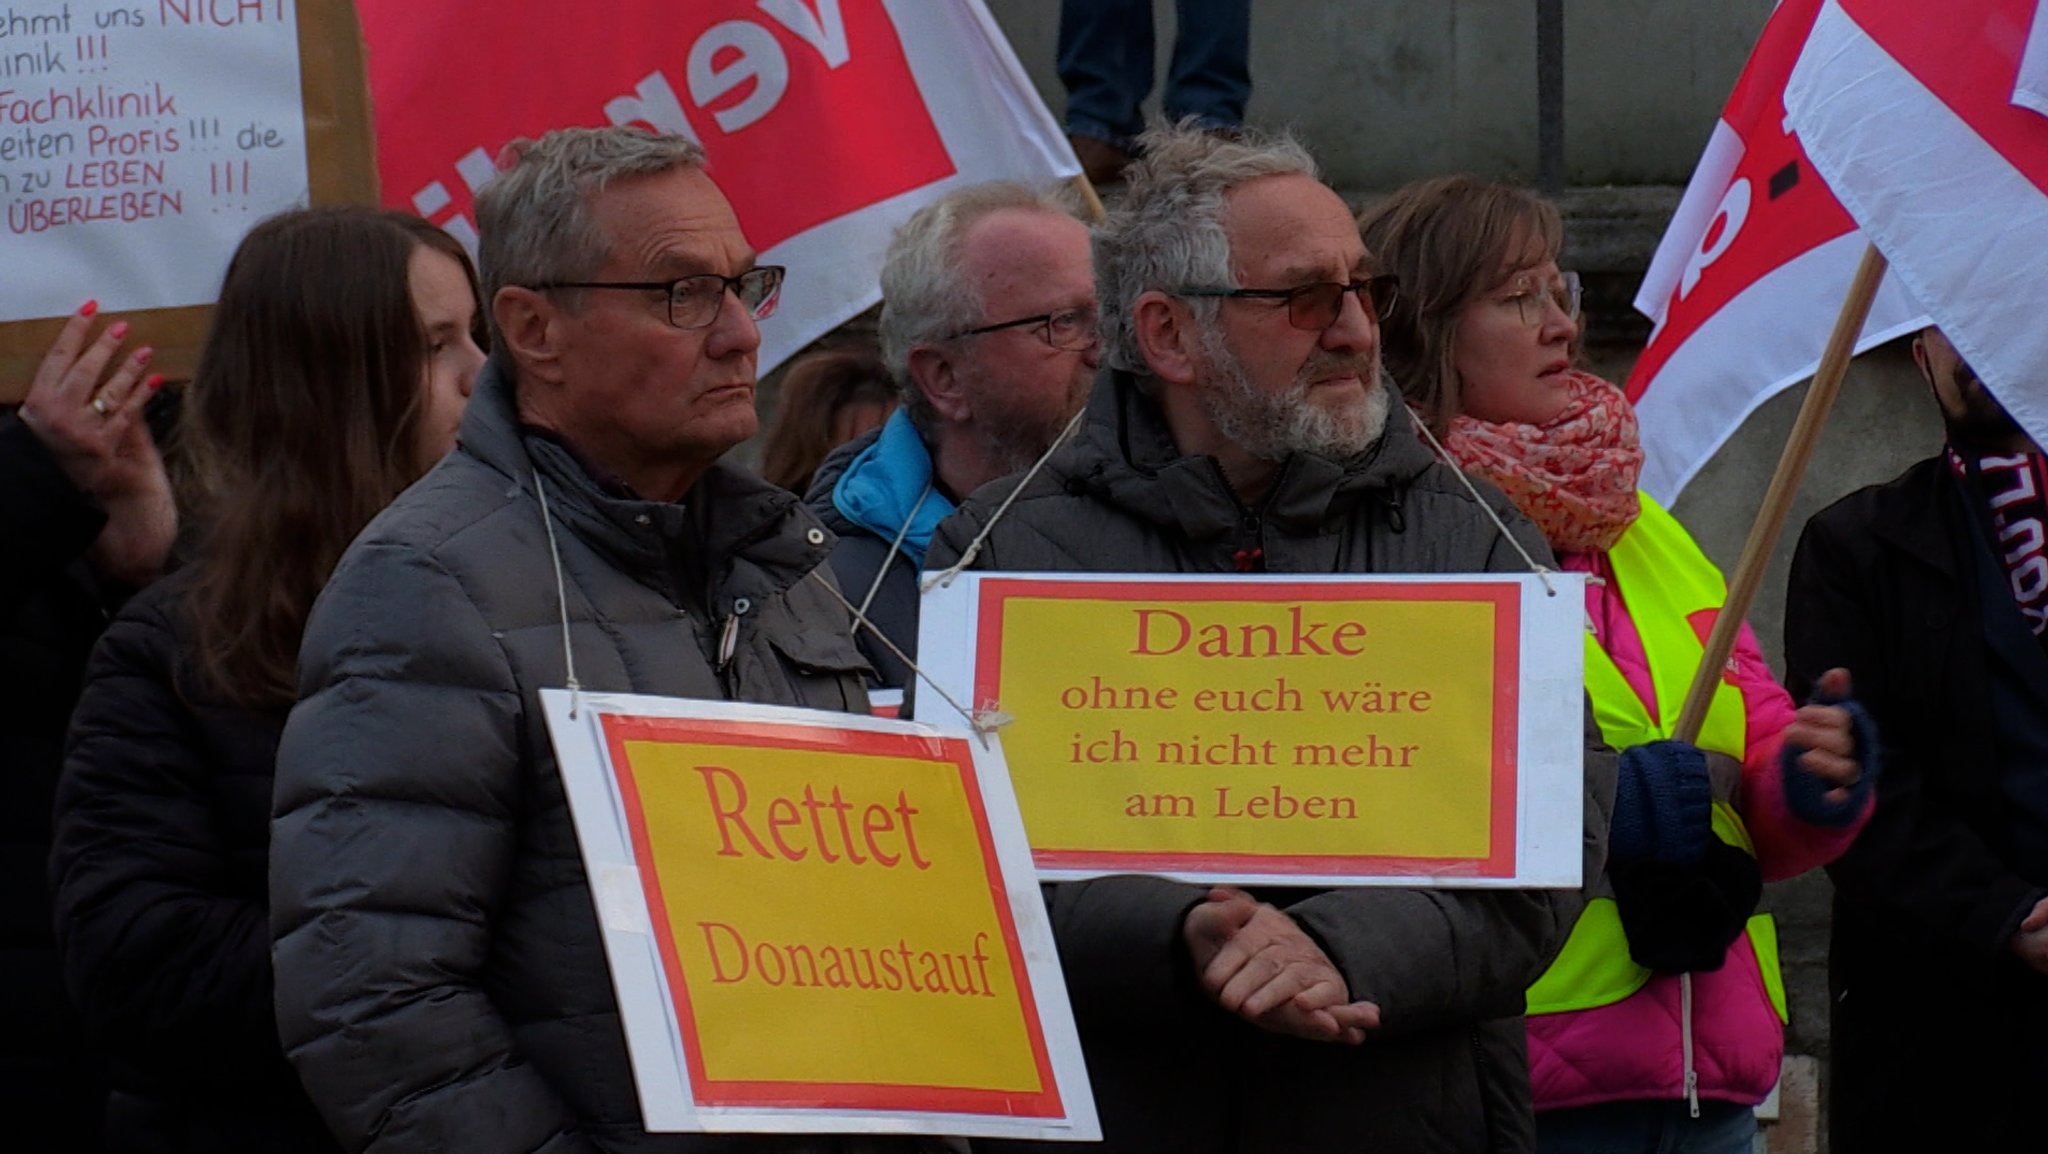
[{"x": 1660, "y": 1025}]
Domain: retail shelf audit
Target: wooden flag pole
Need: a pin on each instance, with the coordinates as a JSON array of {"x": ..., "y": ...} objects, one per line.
[
  {"x": 1777, "y": 504},
  {"x": 1089, "y": 200}
]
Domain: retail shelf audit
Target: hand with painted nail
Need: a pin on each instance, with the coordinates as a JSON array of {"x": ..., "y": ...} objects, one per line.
[{"x": 90, "y": 419}]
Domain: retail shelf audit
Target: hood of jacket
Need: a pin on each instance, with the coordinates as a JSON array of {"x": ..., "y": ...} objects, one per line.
[
  {"x": 1126, "y": 455},
  {"x": 882, "y": 482}
]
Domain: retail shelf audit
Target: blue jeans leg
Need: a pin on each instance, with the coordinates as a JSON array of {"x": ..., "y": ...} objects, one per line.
[
  {"x": 1105, "y": 62},
  {"x": 1210, "y": 78},
  {"x": 1647, "y": 1128}
]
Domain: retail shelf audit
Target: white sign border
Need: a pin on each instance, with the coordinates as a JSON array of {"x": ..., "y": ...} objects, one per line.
[
  {"x": 653, "y": 1040},
  {"x": 1550, "y": 712}
]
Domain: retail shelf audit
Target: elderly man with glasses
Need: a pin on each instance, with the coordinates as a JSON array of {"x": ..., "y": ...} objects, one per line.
[
  {"x": 441, "y": 980},
  {"x": 1243, "y": 425},
  {"x": 988, "y": 326}
]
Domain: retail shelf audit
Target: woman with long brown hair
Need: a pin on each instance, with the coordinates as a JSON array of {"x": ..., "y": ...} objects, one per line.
[{"x": 341, "y": 353}]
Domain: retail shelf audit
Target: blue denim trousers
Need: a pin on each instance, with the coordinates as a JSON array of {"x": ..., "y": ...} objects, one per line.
[
  {"x": 1665, "y": 1127},
  {"x": 1105, "y": 62}
]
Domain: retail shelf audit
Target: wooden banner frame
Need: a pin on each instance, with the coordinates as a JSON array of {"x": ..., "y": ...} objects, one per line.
[{"x": 341, "y": 168}]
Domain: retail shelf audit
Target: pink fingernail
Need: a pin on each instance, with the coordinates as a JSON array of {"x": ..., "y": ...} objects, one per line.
[
  {"x": 118, "y": 329},
  {"x": 155, "y": 382},
  {"x": 143, "y": 354},
  {"x": 88, "y": 308}
]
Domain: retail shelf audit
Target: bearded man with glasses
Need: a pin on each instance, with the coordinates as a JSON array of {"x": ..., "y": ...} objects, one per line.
[
  {"x": 1243, "y": 424},
  {"x": 441, "y": 979},
  {"x": 988, "y": 326}
]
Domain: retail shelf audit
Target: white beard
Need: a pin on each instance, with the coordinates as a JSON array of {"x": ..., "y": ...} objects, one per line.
[{"x": 1271, "y": 426}]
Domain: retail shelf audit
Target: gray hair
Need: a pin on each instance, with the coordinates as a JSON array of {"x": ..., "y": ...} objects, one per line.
[
  {"x": 534, "y": 222},
  {"x": 1168, "y": 232},
  {"x": 926, "y": 296}
]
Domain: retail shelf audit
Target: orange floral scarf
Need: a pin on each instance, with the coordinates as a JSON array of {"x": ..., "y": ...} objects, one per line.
[{"x": 1575, "y": 476}]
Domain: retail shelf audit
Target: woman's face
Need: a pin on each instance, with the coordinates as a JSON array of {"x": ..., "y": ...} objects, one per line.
[
  {"x": 1512, "y": 346},
  {"x": 446, "y": 306}
]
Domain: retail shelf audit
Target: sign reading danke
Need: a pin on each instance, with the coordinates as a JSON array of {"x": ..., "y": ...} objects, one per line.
[
  {"x": 1350, "y": 731},
  {"x": 818, "y": 922}
]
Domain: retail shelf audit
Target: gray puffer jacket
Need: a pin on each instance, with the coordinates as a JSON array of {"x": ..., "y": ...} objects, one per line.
[
  {"x": 1448, "y": 1069},
  {"x": 441, "y": 984}
]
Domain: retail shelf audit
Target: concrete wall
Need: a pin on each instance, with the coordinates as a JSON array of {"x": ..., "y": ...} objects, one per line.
[{"x": 1390, "y": 90}]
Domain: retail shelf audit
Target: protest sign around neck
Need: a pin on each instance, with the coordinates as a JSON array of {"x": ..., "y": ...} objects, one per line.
[
  {"x": 1384, "y": 730},
  {"x": 818, "y": 922},
  {"x": 139, "y": 141}
]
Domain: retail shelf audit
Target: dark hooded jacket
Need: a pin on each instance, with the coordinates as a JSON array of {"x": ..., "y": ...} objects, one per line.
[
  {"x": 1939, "y": 1032},
  {"x": 862, "y": 551},
  {"x": 52, "y": 609},
  {"x": 441, "y": 982},
  {"x": 1447, "y": 1070}
]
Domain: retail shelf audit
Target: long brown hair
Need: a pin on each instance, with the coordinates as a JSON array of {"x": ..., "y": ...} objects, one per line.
[
  {"x": 817, "y": 390},
  {"x": 1450, "y": 240},
  {"x": 299, "y": 427}
]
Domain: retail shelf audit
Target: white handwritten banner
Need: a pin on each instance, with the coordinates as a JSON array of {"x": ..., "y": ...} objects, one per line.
[{"x": 139, "y": 141}]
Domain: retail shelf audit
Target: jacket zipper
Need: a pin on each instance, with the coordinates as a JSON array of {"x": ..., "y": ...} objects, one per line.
[{"x": 1692, "y": 1076}]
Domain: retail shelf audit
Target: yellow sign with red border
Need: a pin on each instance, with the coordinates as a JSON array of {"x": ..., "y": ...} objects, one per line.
[
  {"x": 839, "y": 918},
  {"x": 1267, "y": 728}
]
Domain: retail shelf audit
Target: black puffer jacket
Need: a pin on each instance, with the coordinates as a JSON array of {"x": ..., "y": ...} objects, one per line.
[
  {"x": 441, "y": 980},
  {"x": 1448, "y": 1069},
  {"x": 162, "y": 830},
  {"x": 51, "y": 611}
]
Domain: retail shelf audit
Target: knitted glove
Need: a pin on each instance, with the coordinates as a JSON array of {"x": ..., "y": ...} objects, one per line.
[
  {"x": 1682, "y": 918},
  {"x": 1663, "y": 804},
  {"x": 1807, "y": 796}
]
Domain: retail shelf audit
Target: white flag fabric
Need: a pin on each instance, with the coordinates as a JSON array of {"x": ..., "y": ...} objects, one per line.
[
  {"x": 1744, "y": 289},
  {"x": 994, "y": 126},
  {"x": 1927, "y": 121}
]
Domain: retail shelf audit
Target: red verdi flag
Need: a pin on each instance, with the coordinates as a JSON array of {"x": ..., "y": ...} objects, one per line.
[
  {"x": 827, "y": 122},
  {"x": 1746, "y": 284},
  {"x": 1928, "y": 122}
]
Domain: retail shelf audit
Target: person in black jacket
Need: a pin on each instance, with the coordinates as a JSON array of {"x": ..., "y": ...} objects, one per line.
[
  {"x": 86, "y": 514},
  {"x": 1934, "y": 588},
  {"x": 318, "y": 398}
]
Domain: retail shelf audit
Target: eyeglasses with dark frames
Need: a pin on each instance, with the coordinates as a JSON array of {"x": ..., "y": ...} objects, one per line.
[
  {"x": 1314, "y": 307},
  {"x": 1071, "y": 329},
  {"x": 694, "y": 301}
]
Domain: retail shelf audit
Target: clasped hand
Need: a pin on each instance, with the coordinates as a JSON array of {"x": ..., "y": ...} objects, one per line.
[{"x": 1258, "y": 964}]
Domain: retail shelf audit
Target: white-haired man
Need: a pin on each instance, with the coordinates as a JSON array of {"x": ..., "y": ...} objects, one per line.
[
  {"x": 441, "y": 980},
  {"x": 988, "y": 326},
  {"x": 1243, "y": 426}
]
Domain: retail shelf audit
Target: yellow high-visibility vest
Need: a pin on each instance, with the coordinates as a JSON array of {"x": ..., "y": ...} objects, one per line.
[{"x": 1665, "y": 581}]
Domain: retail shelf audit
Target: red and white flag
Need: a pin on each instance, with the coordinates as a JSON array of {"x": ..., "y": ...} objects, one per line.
[
  {"x": 1928, "y": 122},
  {"x": 827, "y": 122},
  {"x": 1751, "y": 273}
]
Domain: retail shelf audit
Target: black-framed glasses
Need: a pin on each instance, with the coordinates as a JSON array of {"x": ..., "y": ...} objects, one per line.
[
  {"x": 694, "y": 301},
  {"x": 1071, "y": 329},
  {"x": 1314, "y": 307},
  {"x": 1531, "y": 298}
]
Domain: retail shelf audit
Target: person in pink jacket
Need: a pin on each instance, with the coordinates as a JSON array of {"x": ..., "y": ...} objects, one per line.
[{"x": 1660, "y": 1025}]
